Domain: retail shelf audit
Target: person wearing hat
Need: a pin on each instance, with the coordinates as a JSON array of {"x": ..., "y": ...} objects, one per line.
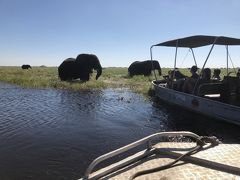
[
  {"x": 190, "y": 82},
  {"x": 193, "y": 70}
]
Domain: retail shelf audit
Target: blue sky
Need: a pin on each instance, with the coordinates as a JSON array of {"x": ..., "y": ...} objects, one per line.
[{"x": 45, "y": 32}]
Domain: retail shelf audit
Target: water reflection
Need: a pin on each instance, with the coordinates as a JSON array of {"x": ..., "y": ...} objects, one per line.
[{"x": 55, "y": 134}]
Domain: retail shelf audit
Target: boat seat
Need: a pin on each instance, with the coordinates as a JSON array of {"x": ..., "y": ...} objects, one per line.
[
  {"x": 210, "y": 90},
  {"x": 232, "y": 90},
  {"x": 232, "y": 84}
]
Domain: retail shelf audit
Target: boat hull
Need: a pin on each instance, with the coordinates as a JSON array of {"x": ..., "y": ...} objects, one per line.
[{"x": 218, "y": 110}]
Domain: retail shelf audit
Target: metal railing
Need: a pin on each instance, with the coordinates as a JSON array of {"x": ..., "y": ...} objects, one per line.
[{"x": 147, "y": 140}]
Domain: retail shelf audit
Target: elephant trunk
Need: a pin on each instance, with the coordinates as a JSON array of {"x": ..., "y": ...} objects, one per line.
[
  {"x": 99, "y": 72},
  {"x": 157, "y": 66}
]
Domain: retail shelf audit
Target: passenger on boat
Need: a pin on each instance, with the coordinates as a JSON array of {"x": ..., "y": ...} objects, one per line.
[
  {"x": 194, "y": 73},
  {"x": 216, "y": 75},
  {"x": 176, "y": 79},
  {"x": 206, "y": 76},
  {"x": 190, "y": 82},
  {"x": 175, "y": 74}
]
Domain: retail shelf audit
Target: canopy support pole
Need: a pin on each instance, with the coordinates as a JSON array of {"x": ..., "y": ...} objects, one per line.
[
  {"x": 194, "y": 89},
  {"x": 194, "y": 57},
  {"x": 209, "y": 53},
  {"x": 175, "y": 62},
  {"x": 227, "y": 57},
  {"x": 152, "y": 63}
]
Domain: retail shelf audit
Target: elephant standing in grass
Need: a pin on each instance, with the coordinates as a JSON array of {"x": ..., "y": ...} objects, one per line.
[
  {"x": 26, "y": 66},
  {"x": 144, "y": 68},
  {"x": 81, "y": 67}
]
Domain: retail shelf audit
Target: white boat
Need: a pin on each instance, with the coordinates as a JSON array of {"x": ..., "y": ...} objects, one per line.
[
  {"x": 197, "y": 158},
  {"x": 220, "y": 100}
]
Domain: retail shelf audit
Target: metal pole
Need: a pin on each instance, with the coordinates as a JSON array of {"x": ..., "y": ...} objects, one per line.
[
  {"x": 194, "y": 57},
  {"x": 234, "y": 69},
  {"x": 209, "y": 52},
  {"x": 152, "y": 62},
  {"x": 194, "y": 89},
  {"x": 227, "y": 58},
  {"x": 175, "y": 62}
]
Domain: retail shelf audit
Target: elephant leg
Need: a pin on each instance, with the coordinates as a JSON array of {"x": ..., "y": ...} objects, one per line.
[{"x": 85, "y": 77}]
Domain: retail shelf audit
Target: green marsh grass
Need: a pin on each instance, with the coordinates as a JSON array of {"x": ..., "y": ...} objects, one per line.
[
  {"x": 112, "y": 77},
  {"x": 47, "y": 77}
]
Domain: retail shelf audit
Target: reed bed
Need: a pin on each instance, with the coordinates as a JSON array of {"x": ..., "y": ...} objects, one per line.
[{"x": 112, "y": 77}]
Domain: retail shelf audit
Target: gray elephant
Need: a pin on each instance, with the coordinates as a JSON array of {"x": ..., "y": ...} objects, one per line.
[
  {"x": 81, "y": 67},
  {"x": 26, "y": 66},
  {"x": 144, "y": 68}
]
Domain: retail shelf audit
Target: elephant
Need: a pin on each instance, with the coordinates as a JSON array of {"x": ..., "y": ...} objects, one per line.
[
  {"x": 26, "y": 66},
  {"x": 81, "y": 67},
  {"x": 144, "y": 68}
]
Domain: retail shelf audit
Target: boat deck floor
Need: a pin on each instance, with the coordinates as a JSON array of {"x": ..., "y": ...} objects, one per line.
[{"x": 218, "y": 162}]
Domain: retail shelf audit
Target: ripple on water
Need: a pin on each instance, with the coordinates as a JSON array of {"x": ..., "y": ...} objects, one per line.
[{"x": 55, "y": 134}]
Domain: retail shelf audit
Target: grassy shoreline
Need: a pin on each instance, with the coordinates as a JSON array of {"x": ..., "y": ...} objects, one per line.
[{"x": 47, "y": 77}]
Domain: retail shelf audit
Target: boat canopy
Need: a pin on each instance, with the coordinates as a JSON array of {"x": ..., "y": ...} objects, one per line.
[{"x": 199, "y": 41}]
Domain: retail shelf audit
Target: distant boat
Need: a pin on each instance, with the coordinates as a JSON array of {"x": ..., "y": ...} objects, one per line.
[{"x": 217, "y": 99}]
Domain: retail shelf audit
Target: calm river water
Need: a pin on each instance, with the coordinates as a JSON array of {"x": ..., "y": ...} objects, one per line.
[{"x": 55, "y": 134}]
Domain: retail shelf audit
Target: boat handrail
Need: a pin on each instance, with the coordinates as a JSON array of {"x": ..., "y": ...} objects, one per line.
[{"x": 147, "y": 140}]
